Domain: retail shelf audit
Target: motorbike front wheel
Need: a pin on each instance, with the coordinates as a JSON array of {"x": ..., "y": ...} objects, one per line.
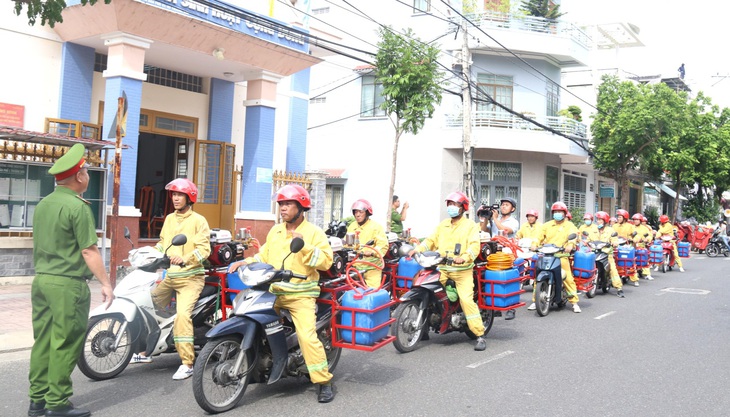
[
  {"x": 215, "y": 386},
  {"x": 542, "y": 298},
  {"x": 712, "y": 250},
  {"x": 406, "y": 329},
  {"x": 99, "y": 359},
  {"x": 592, "y": 292}
]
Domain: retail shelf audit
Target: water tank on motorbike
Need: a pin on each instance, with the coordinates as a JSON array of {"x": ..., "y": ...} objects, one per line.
[
  {"x": 683, "y": 249},
  {"x": 642, "y": 258},
  {"x": 583, "y": 264},
  {"x": 655, "y": 253},
  {"x": 407, "y": 269},
  {"x": 625, "y": 256},
  {"x": 370, "y": 310},
  {"x": 501, "y": 288}
]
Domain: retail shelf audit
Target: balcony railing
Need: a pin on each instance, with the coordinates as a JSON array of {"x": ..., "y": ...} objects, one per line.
[
  {"x": 491, "y": 20},
  {"x": 507, "y": 121}
]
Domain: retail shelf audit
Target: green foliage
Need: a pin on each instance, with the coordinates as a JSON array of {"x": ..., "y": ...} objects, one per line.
[
  {"x": 577, "y": 213},
  {"x": 541, "y": 8},
  {"x": 49, "y": 11},
  {"x": 409, "y": 72},
  {"x": 572, "y": 112},
  {"x": 701, "y": 209},
  {"x": 652, "y": 217}
]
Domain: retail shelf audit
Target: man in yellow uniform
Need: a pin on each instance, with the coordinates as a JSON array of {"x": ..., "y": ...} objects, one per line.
[
  {"x": 186, "y": 276},
  {"x": 452, "y": 231},
  {"x": 299, "y": 295},
  {"x": 367, "y": 230},
  {"x": 531, "y": 229},
  {"x": 604, "y": 233},
  {"x": 666, "y": 228},
  {"x": 642, "y": 240},
  {"x": 65, "y": 256},
  {"x": 556, "y": 231},
  {"x": 626, "y": 229},
  {"x": 587, "y": 226}
]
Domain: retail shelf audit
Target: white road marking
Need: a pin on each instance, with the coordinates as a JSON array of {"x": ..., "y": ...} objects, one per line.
[
  {"x": 691, "y": 291},
  {"x": 605, "y": 315},
  {"x": 490, "y": 359}
]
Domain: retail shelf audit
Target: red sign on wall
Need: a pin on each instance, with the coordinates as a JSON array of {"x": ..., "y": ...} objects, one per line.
[{"x": 12, "y": 115}]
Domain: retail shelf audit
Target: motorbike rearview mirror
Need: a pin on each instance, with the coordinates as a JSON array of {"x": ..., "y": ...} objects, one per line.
[
  {"x": 296, "y": 245},
  {"x": 572, "y": 236},
  {"x": 177, "y": 240},
  {"x": 633, "y": 234},
  {"x": 614, "y": 234},
  {"x": 370, "y": 242},
  {"x": 585, "y": 233},
  {"x": 457, "y": 249},
  {"x": 128, "y": 236}
]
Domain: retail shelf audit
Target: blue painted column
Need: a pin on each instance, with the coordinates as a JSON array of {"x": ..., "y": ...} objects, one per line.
[
  {"x": 77, "y": 77},
  {"x": 220, "y": 110},
  {"x": 258, "y": 144},
  {"x": 296, "y": 145}
]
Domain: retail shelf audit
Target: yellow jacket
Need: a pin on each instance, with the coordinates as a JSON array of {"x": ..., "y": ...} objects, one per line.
[
  {"x": 590, "y": 229},
  {"x": 447, "y": 235},
  {"x": 624, "y": 230},
  {"x": 530, "y": 231},
  {"x": 640, "y": 231},
  {"x": 315, "y": 255},
  {"x": 195, "y": 251},
  {"x": 604, "y": 235},
  {"x": 666, "y": 229},
  {"x": 557, "y": 233},
  {"x": 370, "y": 230}
]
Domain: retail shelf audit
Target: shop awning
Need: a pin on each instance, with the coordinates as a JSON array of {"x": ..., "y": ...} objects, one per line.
[{"x": 666, "y": 190}]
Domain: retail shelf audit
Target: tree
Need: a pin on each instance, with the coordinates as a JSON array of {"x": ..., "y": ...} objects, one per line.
[
  {"x": 627, "y": 129},
  {"x": 541, "y": 8},
  {"x": 408, "y": 71},
  {"x": 48, "y": 10}
]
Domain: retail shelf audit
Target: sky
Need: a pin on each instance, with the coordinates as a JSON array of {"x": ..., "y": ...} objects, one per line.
[{"x": 673, "y": 32}]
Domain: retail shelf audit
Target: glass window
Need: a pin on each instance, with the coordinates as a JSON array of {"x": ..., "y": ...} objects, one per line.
[
  {"x": 498, "y": 87},
  {"x": 421, "y": 6},
  {"x": 574, "y": 191},
  {"x": 552, "y": 95},
  {"x": 552, "y": 189},
  {"x": 333, "y": 203},
  {"x": 497, "y": 180},
  {"x": 371, "y": 97}
]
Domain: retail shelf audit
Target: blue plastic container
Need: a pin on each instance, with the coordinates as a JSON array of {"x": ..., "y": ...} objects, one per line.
[
  {"x": 683, "y": 249},
  {"x": 655, "y": 254},
  {"x": 583, "y": 264},
  {"x": 642, "y": 258},
  {"x": 520, "y": 265},
  {"x": 502, "y": 290},
  {"x": 372, "y": 301},
  {"x": 234, "y": 283},
  {"x": 407, "y": 267},
  {"x": 625, "y": 258},
  {"x": 533, "y": 264}
]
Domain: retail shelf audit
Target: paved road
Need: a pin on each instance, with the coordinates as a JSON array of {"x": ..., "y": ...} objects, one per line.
[{"x": 662, "y": 351}]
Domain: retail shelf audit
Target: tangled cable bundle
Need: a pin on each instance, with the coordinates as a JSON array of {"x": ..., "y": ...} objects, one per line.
[{"x": 500, "y": 261}]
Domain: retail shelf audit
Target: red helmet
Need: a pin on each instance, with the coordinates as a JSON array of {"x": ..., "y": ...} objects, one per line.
[
  {"x": 459, "y": 197},
  {"x": 612, "y": 219},
  {"x": 602, "y": 215},
  {"x": 568, "y": 215},
  {"x": 559, "y": 206},
  {"x": 663, "y": 218},
  {"x": 532, "y": 213},
  {"x": 644, "y": 219},
  {"x": 588, "y": 216},
  {"x": 294, "y": 192},
  {"x": 623, "y": 213},
  {"x": 637, "y": 216},
  {"x": 185, "y": 186},
  {"x": 363, "y": 205}
]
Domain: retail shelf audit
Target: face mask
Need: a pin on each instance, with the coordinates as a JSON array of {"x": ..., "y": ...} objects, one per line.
[
  {"x": 600, "y": 225},
  {"x": 558, "y": 216},
  {"x": 452, "y": 211},
  {"x": 588, "y": 222}
]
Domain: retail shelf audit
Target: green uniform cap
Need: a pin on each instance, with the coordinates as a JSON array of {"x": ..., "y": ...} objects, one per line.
[{"x": 70, "y": 163}]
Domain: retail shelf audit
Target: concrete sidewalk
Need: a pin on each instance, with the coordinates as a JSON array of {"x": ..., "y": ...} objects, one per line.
[{"x": 16, "y": 329}]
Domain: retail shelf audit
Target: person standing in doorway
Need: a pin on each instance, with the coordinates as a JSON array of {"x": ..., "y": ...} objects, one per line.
[{"x": 65, "y": 257}]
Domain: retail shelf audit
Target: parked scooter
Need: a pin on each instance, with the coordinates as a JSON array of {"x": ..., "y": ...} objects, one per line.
[
  {"x": 549, "y": 279},
  {"x": 426, "y": 305},
  {"x": 132, "y": 323},
  {"x": 256, "y": 344},
  {"x": 717, "y": 246}
]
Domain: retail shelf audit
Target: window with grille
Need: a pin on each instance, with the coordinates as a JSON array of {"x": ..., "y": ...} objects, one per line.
[
  {"x": 497, "y": 180},
  {"x": 552, "y": 95},
  {"x": 371, "y": 97},
  {"x": 318, "y": 100},
  {"x": 552, "y": 189},
  {"x": 499, "y": 88},
  {"x": 321, "y": 10},
  {"x": 421, "y": 6},
  {"x": 333, "y": 202},
  {"x": 574, "y": 191},
  {"x": 160, "y": 76}
]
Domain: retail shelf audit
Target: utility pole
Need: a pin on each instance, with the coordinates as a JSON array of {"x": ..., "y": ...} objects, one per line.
[{"x": 468, "y": 156}]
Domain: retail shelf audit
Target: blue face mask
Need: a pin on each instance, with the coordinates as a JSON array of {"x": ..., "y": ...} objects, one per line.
[
  {"x": 452, "y": 211},
  {"x": 588, "y": 222},
  {"x": 558, "y": 216},
  {"x": 600, "y": 225}
]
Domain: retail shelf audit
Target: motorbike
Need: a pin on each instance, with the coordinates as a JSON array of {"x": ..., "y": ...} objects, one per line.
[
  {"x": 716, "y": 247},
  {"x": 132, "y": 323},
  {"x": 667, "y": 253},
  {"x": 426, "y": 305},
  {"x": 603, "y": 281},
  {"x": 549, "y": 288},
  {"x": 256, "y": 345}
]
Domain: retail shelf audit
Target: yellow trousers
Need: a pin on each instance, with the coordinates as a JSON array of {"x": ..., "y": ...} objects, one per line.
[
  {"x": 188, "y": 291},
  {"x": 373, "y": 277},
  {"x": 615, "y": 279},
  {"x": 677, "y": 259},
  {"x": 464, "y": 281},
  {"x": 302, "y": 311},
  {"x": 568, "y": 282}
]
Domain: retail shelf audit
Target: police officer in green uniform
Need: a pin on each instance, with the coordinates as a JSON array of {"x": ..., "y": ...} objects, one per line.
[{"x": 65, "y": 256}]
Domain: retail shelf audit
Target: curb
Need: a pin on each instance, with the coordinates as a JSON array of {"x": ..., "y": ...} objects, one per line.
[{"x": 21, "y": 280}]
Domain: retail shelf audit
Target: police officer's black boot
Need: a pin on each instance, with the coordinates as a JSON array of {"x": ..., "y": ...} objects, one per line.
[
  {"x": 37, "y": 409},
  {"x": 326, "y": 394},
  {"x": 68, "y": 411}
]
